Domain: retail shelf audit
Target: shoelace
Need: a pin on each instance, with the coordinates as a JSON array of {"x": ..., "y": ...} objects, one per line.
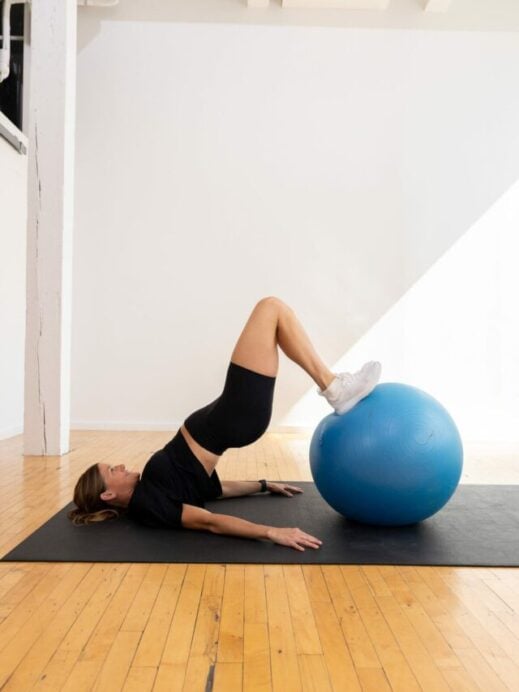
[{"x": 347, "y": 378}]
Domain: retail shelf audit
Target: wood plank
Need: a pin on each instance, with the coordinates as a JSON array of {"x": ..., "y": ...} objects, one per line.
[
  {"x": 445, "y": 609},
  {"x": 9, "y": 578},
  {"x": 256, "y": 657},
  {"x": 207, "y": 627},
  {"x": 316, "y": 584},
  {"x": 374, "y": 680},
  {"x": 314, "y": 673},
  {"x": 26, "y": 622},
  {"x": 483, "y": 675},
  {"x": 227, "y": 677},
  {"x": 397, "y": 672},
  {"x": 153, "y": 639},
  {"x": 92, "y": 656},
  {"x": 83, "y": 675},
  {"x": 283, "y": 654},
  {"x": 59, "y": 667},
  {"x": 170, "y": 677},
  {"x": 459, "y": 679},
  {"x": 256, "y": 650},
  {"x": 505, "y": 592},
  {"x": 255, "y": 603},
  {"x": 140, "y": 679},
  {"x": 460, "y": 675},
  {"x": 202, "y": 654},
  {"x": 230, "y": 642},
  {"x": 199, "y": 672},
  {"x": 117, "y": 663},
  {"x": 495, "y": 641},
  {"x": 342, "y": 672},
  {"x": 426, "y": 628},
  {"x": 139, "y": 613},
  {"x": 28, "y": 587},
  {"x": 420, "y": 661},
  {"x": 178, "y": 643},
  {"x": 303, "y": 623},
  {"x": 354, "y": 630},
  {"x": 50, "y": 631}
]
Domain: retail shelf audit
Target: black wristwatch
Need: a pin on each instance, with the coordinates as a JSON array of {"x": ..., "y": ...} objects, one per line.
[{"x": 263, "y": 484}]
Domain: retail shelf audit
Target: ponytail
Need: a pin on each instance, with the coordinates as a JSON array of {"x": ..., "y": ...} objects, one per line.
[{"x": 91, "y": 509}]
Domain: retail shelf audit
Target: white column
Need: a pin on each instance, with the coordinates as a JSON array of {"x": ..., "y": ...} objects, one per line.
[{"x": 51, "y": 116}]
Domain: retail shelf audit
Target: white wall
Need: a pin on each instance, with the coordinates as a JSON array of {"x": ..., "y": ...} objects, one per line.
[
  {"x": 455, "y": 332},
  {"x": 220, "y": 163},
  {"x": 13, "y": 203}
]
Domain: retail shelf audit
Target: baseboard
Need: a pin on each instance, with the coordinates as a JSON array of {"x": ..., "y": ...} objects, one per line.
[
  {"x": 123, "y": 425},
  {"x": 174, "y": 425},
  {"x": 168, "y": 425},
  {"x": 5, "y": 433},
  {"x": 290, "y": 430}
]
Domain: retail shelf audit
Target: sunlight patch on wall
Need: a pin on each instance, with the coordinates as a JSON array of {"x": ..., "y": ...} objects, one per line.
[{"x": 455, "y": 333}]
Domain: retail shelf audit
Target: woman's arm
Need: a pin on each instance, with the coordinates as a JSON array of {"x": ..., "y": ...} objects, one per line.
[
  {"x": 203, "y": 520},
  {"x": 239, "y": 488}
]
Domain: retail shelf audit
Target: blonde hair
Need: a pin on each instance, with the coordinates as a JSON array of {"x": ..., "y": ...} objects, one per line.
[{"x": 90, "y": 507}]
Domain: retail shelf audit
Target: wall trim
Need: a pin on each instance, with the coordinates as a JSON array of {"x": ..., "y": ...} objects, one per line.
[
  {"x": 173, "y": 426},
  {"x": 6, "y": 433},
  {"x": 13, "y": 135},
  {"x": 167, "y": 425}
]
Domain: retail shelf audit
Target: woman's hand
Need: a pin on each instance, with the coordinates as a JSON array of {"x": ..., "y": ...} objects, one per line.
[
  {"x": 283, "y": 489},
  {"x": 293, "y": 538}
]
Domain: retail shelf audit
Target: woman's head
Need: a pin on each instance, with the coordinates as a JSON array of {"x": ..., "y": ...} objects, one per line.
[{"x": 101, "y": 492}]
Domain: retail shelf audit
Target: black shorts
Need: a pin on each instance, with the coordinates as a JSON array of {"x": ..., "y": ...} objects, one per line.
[{"x": 239, "y": 416}]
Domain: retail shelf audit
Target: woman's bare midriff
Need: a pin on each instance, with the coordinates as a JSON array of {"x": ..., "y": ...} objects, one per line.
[{"x": 205, "y": 457}]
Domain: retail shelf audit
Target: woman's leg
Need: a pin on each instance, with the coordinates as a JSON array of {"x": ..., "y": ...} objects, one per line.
[
  {"x": 270, "y": 324},
  {"x": 274, "y": 323}
]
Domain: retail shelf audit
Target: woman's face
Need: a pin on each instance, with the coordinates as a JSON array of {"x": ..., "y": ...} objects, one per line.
[{"x": 119, "y": 482}]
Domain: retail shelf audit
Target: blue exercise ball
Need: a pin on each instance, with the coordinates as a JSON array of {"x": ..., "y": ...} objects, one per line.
[{"x": 394, "y": 459}]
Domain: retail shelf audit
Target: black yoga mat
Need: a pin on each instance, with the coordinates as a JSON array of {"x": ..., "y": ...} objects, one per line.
[{"x": 478, "y": 527}]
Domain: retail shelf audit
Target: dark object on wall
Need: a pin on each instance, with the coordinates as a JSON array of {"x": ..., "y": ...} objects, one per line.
[{"x": 11, "y": 89}]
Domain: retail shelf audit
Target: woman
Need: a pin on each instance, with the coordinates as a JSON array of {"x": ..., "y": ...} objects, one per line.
[{"x": 178, "y": 479}]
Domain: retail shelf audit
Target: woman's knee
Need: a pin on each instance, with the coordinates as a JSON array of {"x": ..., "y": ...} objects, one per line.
[{"x": 272, "y": 303}]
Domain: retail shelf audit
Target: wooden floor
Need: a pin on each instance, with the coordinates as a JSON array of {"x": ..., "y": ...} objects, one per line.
[{"x": 201, "y": 627}]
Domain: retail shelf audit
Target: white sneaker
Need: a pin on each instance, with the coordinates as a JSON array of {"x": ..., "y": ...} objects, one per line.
[{"x": 346, "y": 390}]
